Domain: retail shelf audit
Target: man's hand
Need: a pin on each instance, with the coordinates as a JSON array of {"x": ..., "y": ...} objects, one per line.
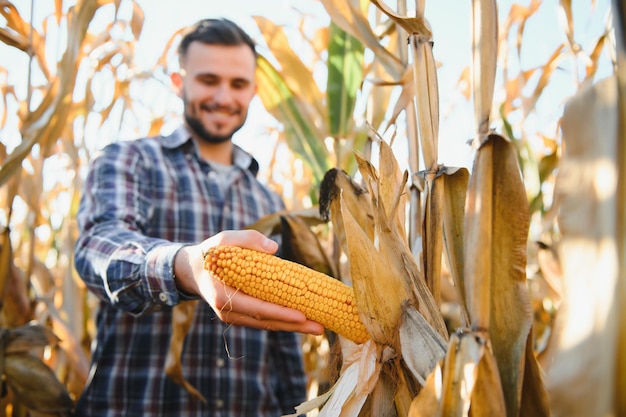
[{"x": 230, "y": 305}]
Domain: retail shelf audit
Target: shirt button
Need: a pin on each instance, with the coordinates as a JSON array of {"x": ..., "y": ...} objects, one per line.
[
  {"x": 219, "y": 362},
  {"x": 219, "y": 403},
  {"x": 163, "y": 297}
]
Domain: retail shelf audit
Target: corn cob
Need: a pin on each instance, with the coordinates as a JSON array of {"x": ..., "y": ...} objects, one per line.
[{"x": 320, "y": 297}]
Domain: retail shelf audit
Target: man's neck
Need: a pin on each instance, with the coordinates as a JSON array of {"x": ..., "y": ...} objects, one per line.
[{"x": 222, "y": 153}]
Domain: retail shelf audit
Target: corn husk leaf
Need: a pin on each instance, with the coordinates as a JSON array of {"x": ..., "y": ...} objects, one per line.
[
  {"x": 383, "y": 400},
  {"x": 422, "y": 347},
  {"x": 391, "y": 185},
  {"x": 359, "y": 375},
  {"x": 339, "y": 188},
  {"x": 386, "y": 262},
  {"x": 496, "y": 291},
  {"x": 379, "y": 282}
]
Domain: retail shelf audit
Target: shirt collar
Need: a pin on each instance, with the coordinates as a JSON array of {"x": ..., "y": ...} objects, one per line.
[{"x": 241, "y": 158}]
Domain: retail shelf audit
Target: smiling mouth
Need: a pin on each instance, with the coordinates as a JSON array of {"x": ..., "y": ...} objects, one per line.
[{"x": 220, "y": 110}]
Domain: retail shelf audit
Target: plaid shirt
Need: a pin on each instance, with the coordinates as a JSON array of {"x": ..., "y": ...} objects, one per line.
[{"x": 142, "y": 201}]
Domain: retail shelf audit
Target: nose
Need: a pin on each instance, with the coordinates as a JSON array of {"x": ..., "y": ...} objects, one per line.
[{"x": 223, "y": 94}]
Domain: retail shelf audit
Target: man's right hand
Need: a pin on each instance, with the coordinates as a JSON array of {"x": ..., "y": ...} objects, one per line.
[{"x": 230, "y": 305}]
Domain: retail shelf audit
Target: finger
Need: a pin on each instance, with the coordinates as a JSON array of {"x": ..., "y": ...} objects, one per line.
[
  {"x": 241, "y": 309},
  {"x": 308, "y": 326},
  {"x": 250, "y": 239},
  {"x": 230, "y": 300}
]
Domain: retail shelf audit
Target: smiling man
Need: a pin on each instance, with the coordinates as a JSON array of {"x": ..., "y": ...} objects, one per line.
[{"x": 149, "y": 210}]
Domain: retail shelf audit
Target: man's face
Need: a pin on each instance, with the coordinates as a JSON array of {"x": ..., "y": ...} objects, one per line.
[{"x": 216, "y": 85}]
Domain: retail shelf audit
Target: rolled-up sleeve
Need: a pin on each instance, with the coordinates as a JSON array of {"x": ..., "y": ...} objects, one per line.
[{"x": 115, "y": 256}]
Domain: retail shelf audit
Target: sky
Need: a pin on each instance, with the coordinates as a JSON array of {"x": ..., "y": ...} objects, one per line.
[
  {"x": 449, "y": 20},
  {"x": 159, "y": 24}
]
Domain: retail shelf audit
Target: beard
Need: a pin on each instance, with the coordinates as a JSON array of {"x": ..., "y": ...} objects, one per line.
[{"x": 199, "y": 130}]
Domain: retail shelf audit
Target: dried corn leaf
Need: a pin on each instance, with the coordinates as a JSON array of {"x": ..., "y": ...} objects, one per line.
[
  {"x": 460, "y": 371},
  {"x": 580, "y": 358},
  {"x": 25, "y": 338},
  {"x": 412, "y": 25},
  {"x": 6, "y": 261},
  {"x": 380, "y": 285},
  {"x": 137, "y": 20},
  {"x": 426, "y": 403},
  {"x": 534, "y": 400},
  {"x": 383, "y": 399},
  {"x": 495, "y": 271},
  {"x": 421, "y": 346},
  {"x": 35, "y": 385},
  {"x": 301, "y": 245},
  {"x": 386, "y": 262},
  {"x": 453, "y": 212},
  {"x": 487, "y": 397},
  {"x": 271, "y": 224},
  {"x": 484, "y": 60},
  {"x": 427, "y": 96},
  {"x": 350, "y": 18},
  {"x": 389, "y": 186},
  {"x": 44, "y": 124},
  {"x": 302, "y": 134},
  {"x": 433, "y": 232},
  {"x": 360, "y": 372},
  {"x": 338, "y": 188},
  {"x": 298, "y": 77}
]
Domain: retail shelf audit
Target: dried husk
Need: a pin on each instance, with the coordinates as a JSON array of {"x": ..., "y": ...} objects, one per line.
[
  {"x": 496, "y": 233},
  {"x": 455, "y": 183},
  {"x": 422, "y": 347}
]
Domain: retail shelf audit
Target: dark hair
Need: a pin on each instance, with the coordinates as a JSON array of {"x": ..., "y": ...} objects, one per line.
[{"x": 217, "y": 32}]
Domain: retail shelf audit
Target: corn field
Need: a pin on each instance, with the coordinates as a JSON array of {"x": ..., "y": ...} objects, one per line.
[{"x": 493, "y": 289}]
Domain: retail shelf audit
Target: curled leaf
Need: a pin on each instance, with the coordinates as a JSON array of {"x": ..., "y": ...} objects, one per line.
[{"x": 35, "y": 385}]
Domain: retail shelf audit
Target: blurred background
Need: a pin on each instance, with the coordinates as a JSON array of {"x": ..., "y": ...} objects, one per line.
[{"x": 76, "y": 75}]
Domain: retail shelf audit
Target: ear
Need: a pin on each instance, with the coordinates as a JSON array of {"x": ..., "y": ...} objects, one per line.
[{"x": 177, "y": 82}]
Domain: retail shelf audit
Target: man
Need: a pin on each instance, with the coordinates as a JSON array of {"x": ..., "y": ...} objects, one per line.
[{"x": 149, "y": 210}]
